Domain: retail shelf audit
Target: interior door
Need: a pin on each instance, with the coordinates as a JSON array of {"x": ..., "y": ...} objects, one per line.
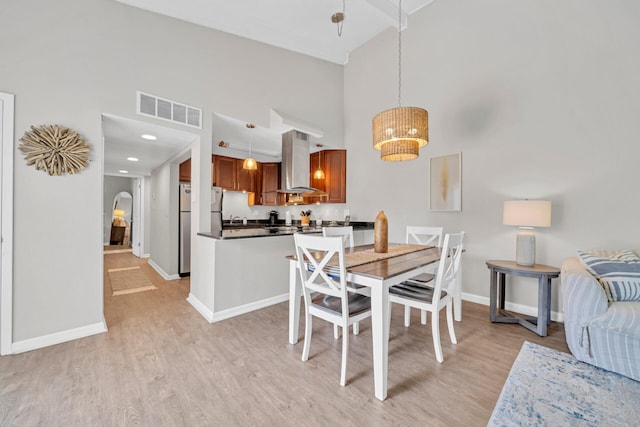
[{"x": 6, "y": 221}]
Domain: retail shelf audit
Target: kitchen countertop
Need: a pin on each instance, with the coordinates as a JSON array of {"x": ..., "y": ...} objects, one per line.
[{"x": 258, "y": 229}]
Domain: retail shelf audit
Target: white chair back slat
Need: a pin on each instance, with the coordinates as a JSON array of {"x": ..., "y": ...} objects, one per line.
[
  {"x": 449, "y": 264},
  {"x": 345, "y": 232},
  {"x": 424, "y": 235}
]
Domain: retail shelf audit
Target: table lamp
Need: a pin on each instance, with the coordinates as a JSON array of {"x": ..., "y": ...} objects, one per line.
[{"x": 526, "y": 214}]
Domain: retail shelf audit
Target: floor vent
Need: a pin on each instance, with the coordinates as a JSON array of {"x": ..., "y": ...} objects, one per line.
[{"x": 165, "y": 109}]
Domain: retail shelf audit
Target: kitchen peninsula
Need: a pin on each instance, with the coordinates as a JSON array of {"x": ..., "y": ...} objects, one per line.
[{"x": 242, "y": 269}]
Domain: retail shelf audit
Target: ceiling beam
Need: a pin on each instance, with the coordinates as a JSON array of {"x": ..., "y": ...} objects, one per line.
[{"x": 390, "y": 10}]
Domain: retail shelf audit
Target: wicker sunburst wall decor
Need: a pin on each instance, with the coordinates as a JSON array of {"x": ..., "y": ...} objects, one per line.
[{"x": 54, "y": 149}]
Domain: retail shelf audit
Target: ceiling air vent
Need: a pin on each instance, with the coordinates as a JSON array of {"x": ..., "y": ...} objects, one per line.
[
  {"x": 165, "y": 109},
  {"x": 302, "y": 136}
]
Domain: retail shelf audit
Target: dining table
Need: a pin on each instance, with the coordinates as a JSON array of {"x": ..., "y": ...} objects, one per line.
[{"x": 379, "y": 274}]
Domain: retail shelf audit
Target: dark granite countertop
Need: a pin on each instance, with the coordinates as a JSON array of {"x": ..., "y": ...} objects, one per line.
[{"x": 260, "y": 228}]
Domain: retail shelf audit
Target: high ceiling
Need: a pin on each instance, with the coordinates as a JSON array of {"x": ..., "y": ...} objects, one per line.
[{"x": 302, "y": 26}]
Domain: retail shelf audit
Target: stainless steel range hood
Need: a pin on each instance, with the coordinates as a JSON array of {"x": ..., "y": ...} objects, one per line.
[{"x": 295, "y": 170}]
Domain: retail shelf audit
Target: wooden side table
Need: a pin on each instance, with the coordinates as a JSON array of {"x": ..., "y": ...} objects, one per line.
[{"x": 544, "y": 274}]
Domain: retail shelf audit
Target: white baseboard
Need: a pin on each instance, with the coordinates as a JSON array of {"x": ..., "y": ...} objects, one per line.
[
  {"x": 243, "y": 309},
  {"x": 161, "y": 272},
  {"x": 59, "y": 337},
  {"x": 202, "y": 309},
  {"x": 518, "y": 308},
  {"x": 235, "y": 311}
]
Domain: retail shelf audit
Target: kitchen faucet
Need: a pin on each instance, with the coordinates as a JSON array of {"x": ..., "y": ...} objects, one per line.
[{"x": 232, "y": 218}]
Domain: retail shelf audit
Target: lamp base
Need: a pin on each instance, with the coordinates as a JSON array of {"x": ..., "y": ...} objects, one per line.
[{"x": 526, "y": 247}]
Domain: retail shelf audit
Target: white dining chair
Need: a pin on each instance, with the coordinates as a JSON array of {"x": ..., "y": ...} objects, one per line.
[
  {"x": 440, "y": 295},
  {"x": 421, "y": 235},
  {"x": 346, "y": 233},
  {"x": 325, "y": 290}
]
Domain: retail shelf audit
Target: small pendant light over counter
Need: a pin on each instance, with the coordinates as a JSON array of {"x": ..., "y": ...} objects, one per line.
[
  {"x": 398, "y": 133},
  {"x": 319, "y": 173},
  {"x": 250, "y": 163}
]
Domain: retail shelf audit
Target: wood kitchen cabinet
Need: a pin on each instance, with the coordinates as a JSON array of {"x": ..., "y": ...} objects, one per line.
[
  {"x": 270, "y": 183},
  {"x": 229, "y": 174},
  {"x": 334, "y": 165},
  {"x": 185, "y": 171}
]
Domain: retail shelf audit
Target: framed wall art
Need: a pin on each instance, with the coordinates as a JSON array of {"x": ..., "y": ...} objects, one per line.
[{"x": 445, "y": 183}]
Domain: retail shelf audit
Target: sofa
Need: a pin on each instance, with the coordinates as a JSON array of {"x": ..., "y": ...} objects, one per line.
[{"x": 602, "y": 322}]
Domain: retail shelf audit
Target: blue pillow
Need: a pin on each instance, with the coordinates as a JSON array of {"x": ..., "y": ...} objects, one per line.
[{"x": 618, "y": 274}]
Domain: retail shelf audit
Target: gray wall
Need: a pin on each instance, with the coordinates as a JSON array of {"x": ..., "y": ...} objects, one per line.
[
  {"x": 93, "y": 63},
  {"x": 541, "y": 98}
]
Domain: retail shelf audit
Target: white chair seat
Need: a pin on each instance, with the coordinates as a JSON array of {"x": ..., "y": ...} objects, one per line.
[
  {"x": 415, "y": 292},
  {"x": 357, "y": 303},
  {"x": 423, "y": 278}
]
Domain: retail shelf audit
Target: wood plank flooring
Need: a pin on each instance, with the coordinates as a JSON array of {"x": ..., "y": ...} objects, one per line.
[{"x": 162, "y": 364}]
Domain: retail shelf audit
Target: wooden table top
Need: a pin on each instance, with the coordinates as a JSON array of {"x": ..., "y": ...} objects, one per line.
[{"x": 389, "y": 267}]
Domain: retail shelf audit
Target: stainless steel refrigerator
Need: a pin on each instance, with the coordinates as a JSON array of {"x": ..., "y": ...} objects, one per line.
[
  {"x": 184, "y": 253},
  {"x": 184, "y": 264},
  {"x": 216, "y": 210}
]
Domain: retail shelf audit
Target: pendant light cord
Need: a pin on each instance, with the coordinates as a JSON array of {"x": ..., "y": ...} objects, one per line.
[{"x": 399, "y": 53}]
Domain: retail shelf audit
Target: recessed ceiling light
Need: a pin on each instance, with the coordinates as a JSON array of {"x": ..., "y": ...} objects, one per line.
[
  {"x": 132, "y": 159},
  {"x": 123, "y": 171},
  {"x": 148, "y": 137}
]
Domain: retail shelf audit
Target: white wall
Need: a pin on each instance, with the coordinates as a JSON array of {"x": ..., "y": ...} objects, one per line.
[
  {"x": 164, "y": 218},
  {"x": 92, "y": 63},
  {"x": 541, "y": 98}
]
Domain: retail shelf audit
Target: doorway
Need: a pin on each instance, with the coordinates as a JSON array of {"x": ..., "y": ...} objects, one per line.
[{"x": 6, "y": 221}]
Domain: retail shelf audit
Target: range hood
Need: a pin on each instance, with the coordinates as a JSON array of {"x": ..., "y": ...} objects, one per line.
[{"x": 295, "y": 169}]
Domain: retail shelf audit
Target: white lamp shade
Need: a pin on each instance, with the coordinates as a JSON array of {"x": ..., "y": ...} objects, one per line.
[{"x": 527, "y": 213}]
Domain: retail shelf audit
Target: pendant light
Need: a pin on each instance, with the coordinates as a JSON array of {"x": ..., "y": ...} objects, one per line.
[
  {"x": 250, "y": 163},
  {"x": 318, "y": 174},
  {"x": 398, "y": 133}
]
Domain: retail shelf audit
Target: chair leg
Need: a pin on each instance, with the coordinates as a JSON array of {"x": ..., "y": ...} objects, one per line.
[
  {"x": 307, "y": 337},
  {"x": 336, "y": 333},
  {"x": 345, "y": 355},
  {"x": 423, "y": 317},
  {"x": 452, "y": 333},
  {"x": 435, "y": 331},
  {"x": 407, "y": 316},
  {"x": 356, "y": 328}
]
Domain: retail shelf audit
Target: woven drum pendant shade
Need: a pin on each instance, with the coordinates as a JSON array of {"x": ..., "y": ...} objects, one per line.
[
  {"x": 405, "y": 128},
  {"x": 399, "y": 150}
]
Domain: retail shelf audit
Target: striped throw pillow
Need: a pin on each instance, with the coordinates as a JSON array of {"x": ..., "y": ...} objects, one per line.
[{"x": 618, "y": 274}]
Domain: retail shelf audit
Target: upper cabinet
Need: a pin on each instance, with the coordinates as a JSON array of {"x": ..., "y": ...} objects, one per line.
[
  {"x": 185, "y": 171},
  {"x": 229, "y": 174},
  {"x": 270, "y": 183},
  {"x": 334, "y": 165}
]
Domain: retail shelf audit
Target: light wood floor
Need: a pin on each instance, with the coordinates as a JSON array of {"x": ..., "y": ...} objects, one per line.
[{"x": 162, "y": 364}]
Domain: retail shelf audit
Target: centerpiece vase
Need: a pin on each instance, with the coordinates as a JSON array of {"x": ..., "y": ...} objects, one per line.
[{"x": 381, "y": 234}]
